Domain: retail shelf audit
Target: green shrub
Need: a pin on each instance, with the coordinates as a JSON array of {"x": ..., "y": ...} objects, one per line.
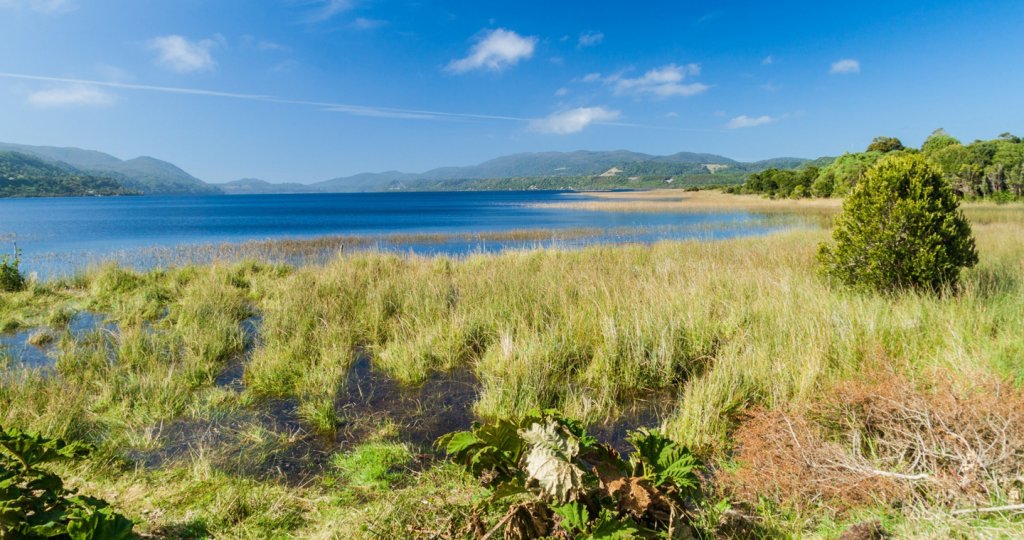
[
  {"x": 900, "y": 229},
  {"x": 35, "y": 504},
  {"x": 11, "y": 278},
  {"x": 551, "y": 478}
]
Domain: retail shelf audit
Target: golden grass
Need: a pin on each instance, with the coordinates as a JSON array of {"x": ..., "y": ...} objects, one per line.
[
  {"x": 674, "y": 200},
  {"x": 721, "y": 325}
]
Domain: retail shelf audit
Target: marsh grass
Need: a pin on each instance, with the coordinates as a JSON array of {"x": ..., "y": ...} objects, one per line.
[{"x": 721, "y": 327}]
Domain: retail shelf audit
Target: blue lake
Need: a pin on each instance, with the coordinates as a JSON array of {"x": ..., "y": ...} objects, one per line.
[{"x": 61, "y": 235}]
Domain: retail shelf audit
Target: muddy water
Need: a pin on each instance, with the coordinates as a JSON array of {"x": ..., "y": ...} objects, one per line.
[
  {"x": 232, "y": 375},
  {"x": 265, "y": 442},
  {"x": 270, "y": 441},
  {"x": 441, "y": 404},
  {"x": 642, "y": 410}
]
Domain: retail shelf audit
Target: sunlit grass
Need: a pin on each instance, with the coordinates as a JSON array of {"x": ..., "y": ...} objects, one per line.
[{"x": 720, "y": 325}]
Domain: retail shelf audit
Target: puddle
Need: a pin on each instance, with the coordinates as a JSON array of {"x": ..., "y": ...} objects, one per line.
[
  {"x": 87, "y": 322},
  {"x": 267, "y": 442},
  {"x": 647, "y": 409},
  {"x": 20, "y": 351},
  {"x": 232, "y": 375},
  {"x": 270, "y": 441},
  {"x": 443, "y": 403}
]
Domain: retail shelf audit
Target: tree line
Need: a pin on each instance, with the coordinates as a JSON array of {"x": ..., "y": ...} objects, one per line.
[{"x": 991, "y": 169}]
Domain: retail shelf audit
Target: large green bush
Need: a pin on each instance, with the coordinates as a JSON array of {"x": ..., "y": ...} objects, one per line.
[{"x": 900, "y": 229}]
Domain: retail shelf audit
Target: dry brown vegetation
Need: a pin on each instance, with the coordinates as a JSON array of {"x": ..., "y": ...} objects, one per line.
[{"x": 883, "y": 439}]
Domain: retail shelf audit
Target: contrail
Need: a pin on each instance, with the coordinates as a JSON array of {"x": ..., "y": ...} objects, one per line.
[
  {"x": 359, "y": 110},
  {"x": 346, "y": 108}
]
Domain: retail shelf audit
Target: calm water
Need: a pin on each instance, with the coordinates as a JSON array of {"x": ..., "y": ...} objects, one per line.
[{"x": 60, "y": 235}]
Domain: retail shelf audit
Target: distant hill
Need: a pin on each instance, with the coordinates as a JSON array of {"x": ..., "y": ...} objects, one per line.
[
  {"x": 148, "y": 175},
  {"x": 582, "y": 169},
  {"x": 22, "y": 175},
  {"x": 366, "y": 182},
  {"x": 545, "y": 168},
  {"x": 255, "y": 186}
]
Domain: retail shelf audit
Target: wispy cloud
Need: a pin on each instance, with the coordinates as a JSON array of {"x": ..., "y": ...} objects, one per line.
[
  {"x": 363, "y": 23},
  {"x": 563, "y": 91},
  {"x": 495, "y": 51},
  {"x": 573, "y": 120},
  {"x": 327, "y": 9},
  {"x": 662, "y": 82},
  {"x": 251, "y": 42},
  {"x": 48, "y": 7},
  {"x": 768, "y": 60},
  {"x": 178, "y": 54},
  {"x": 845, "y": 66},
  {"x": 74, "y": 94},
  {"x": 590, "y": 39},
  {"x": 744, "y": 121}
]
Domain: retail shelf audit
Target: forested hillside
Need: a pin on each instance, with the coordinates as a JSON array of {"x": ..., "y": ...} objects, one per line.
[
  {"x": 147, "y": 175},
  {"x": 991, "y": 169},
  {"x": 26, "y": 176}
]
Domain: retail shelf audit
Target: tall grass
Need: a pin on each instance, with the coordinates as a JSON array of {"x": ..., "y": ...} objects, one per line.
[
  {"x": 722, "y": 325},
  {"x": 726, "y": 324}
]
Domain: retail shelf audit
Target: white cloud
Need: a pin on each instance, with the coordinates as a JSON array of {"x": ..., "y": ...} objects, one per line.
[
  {"x": 671, "y": 114},
  {"x": 744, "y": 121},
  {"x": 592, "y": 77},
  {"x": 768, "y": 60},
  {"x": 495, "y": 51},
  {"x": 48, "y": 7},
  {"x": 662, "y": 82},
  {"x": 590, "y": 39},
  {"x": 844, "y": 66},
  {"x": 573, "y": 120},
  {"x": 563, "y": 91},
  {"x": 179, "y": 54},
  {"x": 70, "y": 95}
]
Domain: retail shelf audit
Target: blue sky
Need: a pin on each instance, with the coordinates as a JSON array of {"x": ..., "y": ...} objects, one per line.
[{"x": 305, "y": 90}]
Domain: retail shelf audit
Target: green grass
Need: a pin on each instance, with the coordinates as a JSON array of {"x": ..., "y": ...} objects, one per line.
[
  {"x": 724, "y": 326},
  {"x": 372, "y": 465}
]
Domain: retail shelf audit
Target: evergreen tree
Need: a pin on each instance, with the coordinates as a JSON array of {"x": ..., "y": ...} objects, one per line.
[{"x": 900, "y": 228}]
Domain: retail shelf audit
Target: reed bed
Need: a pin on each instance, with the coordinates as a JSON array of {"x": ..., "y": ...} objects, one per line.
[{"x": 725, "y": 327}]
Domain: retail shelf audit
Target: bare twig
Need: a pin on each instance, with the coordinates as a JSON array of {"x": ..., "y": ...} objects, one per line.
[{"x": 990, "y": 509}]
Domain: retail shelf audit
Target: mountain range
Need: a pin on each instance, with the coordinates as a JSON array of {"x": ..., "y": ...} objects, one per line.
[{"x": 545, "y": 170}]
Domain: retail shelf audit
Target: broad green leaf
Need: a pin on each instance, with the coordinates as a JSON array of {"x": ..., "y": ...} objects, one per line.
[
  {"x": 575, "y": 516},
  {"x": 548, "y": 461},
  {"x": 609, "y": 527}
]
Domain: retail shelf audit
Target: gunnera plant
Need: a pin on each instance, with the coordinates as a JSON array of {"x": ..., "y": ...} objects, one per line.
[{"x": 900, "y": 228}]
